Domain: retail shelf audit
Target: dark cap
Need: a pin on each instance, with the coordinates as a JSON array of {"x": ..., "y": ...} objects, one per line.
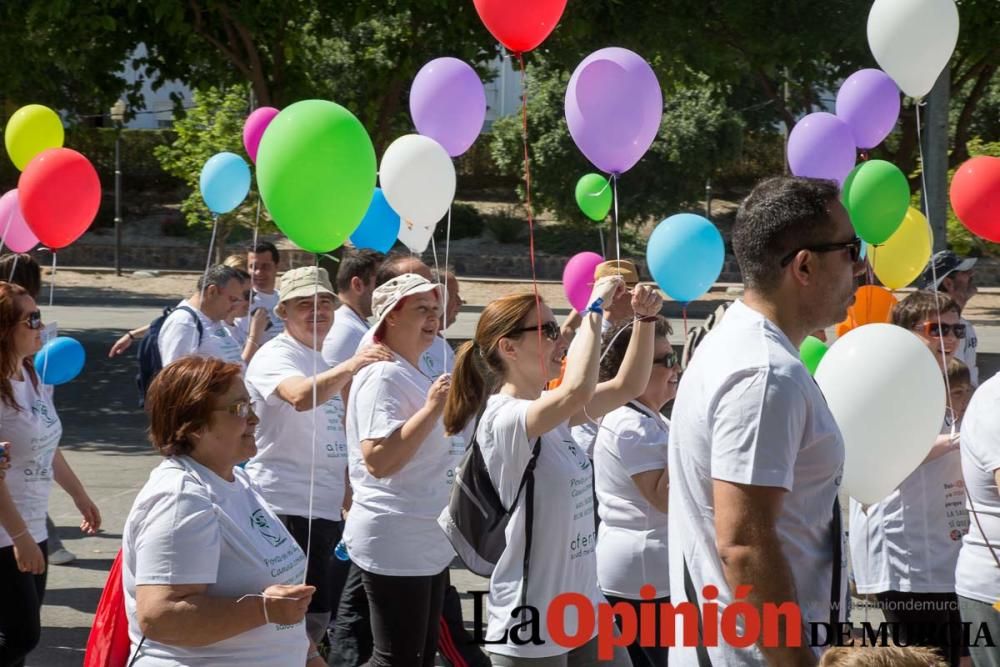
[{"x": 943, "y": 264}]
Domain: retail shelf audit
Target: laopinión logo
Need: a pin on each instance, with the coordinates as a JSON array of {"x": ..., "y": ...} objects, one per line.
[{"x": 739, "y": 624}]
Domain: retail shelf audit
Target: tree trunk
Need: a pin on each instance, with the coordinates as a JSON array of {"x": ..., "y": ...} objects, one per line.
[
  {"x": 935, "y": 145},
  {"x": 960, "y": 152}
]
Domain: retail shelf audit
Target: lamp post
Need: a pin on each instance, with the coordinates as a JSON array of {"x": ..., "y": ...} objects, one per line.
[{"x": 118, "y": 116}]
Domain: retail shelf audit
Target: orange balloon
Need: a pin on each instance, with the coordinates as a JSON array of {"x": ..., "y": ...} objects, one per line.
[{"x": 871, "y": 304}]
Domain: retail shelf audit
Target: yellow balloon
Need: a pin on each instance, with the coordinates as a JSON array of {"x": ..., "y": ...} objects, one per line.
[
  {"x": 31, "y": 130},
  {"x": 901, "y": 259}
]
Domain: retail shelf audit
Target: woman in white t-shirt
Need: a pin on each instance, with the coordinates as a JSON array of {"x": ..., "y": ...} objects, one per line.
[
  {"x": 250, "y": 336},
  {"x": 904, "y": 548},
  {"x": 211, "y": 576},
  {"x": 30, "y": 430},
  {"x": 401, "y": 469},
  {"x": 630, "y": 474},
  {"x": 517, "y": 349}
]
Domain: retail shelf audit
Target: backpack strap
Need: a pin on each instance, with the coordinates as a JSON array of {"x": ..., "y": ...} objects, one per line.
[
  {"x": 197, "y": 321},
  {"x": 528, "y": 482},
  {"x": 836, "y": 528}
]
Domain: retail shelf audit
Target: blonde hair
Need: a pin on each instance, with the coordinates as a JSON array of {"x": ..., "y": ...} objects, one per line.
[
  {"x": 882, "y": 656},
  {"x": 237, "y": 262}
]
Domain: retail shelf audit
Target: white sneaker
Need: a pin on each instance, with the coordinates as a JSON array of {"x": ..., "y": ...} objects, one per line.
[{"x": 61, "y": 557}]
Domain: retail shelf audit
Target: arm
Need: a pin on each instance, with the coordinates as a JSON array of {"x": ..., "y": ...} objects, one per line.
[
  {"x": 297, "y": 391},
  {"x": 126, "y": 339},
  {"x": 256, "y": 328},
  {"x": 654, "y": 485},
  {"x": 943, "y": 444},
  {"x": 571, "y": 324},
  {"x": 750, "y": 550},
  {"x": 70, "y": 483},
  {"x": 388, "y": 455},
  {"x": 26, "y": 552},
  {"x": 178, "y": 338},
  {"x": 182, "y": 615}
]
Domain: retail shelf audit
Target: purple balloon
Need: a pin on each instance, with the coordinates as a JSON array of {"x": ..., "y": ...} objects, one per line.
[
  {"x": 613, "y": 108},
  {"x": 868, "y": 101},
  {"x": 253, "y": 129},
  {"x": 822, "y": 146},
  {"x": 448, "y": 104}
]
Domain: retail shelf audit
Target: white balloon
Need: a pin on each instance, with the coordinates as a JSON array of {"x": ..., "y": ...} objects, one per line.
[
  {"x": 414, "y": 236},
  {"x": 886, "y": 391},
  {"x": 418, "y": 179},
  {"x": 912, "y": 40}
]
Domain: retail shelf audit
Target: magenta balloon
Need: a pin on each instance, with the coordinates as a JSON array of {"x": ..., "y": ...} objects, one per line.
[
  {"x": 448, "y": 104},
  {"x": 822, "y": 146},
  {"x": 253, "y": 129},
  {"x": 578, "y": 278},
  {"x": 14, "y": 230},
  {"x": 868, "y": 101},
  {"x": 613, "y": 108}
]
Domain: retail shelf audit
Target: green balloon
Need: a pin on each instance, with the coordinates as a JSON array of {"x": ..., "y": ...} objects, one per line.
[
  {"x": 316, "y": 171},
  {"x": 593, "y": 195},
  {"x": 811, "y": 353},
  {"x": 877, "y": 195}
]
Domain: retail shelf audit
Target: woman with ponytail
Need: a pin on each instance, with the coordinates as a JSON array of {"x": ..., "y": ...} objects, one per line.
[{"x": 502, "y": 372}]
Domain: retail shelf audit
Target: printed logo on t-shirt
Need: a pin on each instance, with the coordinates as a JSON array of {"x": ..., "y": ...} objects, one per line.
[
  {"x": 42, "y": 410},
  {"x": 581, "y": 457},
  {"x": 259, "y": 521}
]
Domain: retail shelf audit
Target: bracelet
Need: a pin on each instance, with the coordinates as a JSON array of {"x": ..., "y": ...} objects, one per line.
[
  {"x": 649, "y": 318},
  {"x": 254, "y": 343},
  {"x": 596, "y": 307},
  {"x": 130, "y": 336},
  {"x": 21, "y": 534}
]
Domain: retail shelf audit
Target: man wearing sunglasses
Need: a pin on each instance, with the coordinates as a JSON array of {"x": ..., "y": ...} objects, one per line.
[
  {"x": 954, "y": 275},
  {"x": 755, "y": 456}
]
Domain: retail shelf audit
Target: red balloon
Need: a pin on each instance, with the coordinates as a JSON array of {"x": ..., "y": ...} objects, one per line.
[
  {"x": 59, "y": 193},
  {"x": 975, "y": 196},
  {"x": 520, "y": 25}
]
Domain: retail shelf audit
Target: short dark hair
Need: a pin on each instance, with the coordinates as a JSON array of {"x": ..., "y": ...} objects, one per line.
[
  {"x": 27, "y": 272},
  {"x": 921, "y": 306},
  {"x": 357, "y": 263},
  {"x": 780, "y": 215},
  {"x": 616, "y": 346},
  {"x": 265, "y": 246},
  {"x": 219, "y": 276},
  {"x": 389, "y": 268}
]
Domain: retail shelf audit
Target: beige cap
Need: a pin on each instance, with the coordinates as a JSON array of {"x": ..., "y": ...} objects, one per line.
[
  {"x": 388, "y": 295},
  {"x": 305, "y": 281},
  {"x": 617, "y": 267}
]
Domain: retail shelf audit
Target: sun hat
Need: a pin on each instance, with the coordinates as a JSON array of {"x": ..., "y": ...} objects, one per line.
[{"x": 388, "y": 295}]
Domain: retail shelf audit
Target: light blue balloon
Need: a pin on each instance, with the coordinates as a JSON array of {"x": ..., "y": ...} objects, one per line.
[
  {"x": 225, "y": 182},
  {"x": 60, "y": 360},
  {"x": 380, "y": 226},
  {"x": 685, "y": 254}
]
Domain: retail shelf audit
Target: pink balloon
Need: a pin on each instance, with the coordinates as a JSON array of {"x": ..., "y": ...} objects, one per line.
[
  {"x": 13, "y": 229},
  {"x": 253, "y": 129},
  {"x": 578, "y": 278}
]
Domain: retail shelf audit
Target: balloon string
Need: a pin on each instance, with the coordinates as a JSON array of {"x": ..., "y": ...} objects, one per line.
[
  {"x": 208, "y": 262},
  {"x": 312, "y": 464},
  {"x": 614, "y": 195},
  {"x": 607, "y": 184},
  {"x": 52, "y": 285},
  {"x": 6, "y": 228},
  {"x": 447, "y": 267},
  {"x": 442, "y": 280},
  {"x": 527, "y": 201},
  {"x": 253, "y": 292},
  {"x": 13, "y": 266},
  {"x": 684, "y": 314}
]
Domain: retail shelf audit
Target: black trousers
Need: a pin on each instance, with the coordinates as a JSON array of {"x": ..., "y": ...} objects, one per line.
[
  {"x": 642, "y": 656},
  {"x": 324, "y": 570},
  {"x": 927, "y": 619},
  {"x": 405, "y": 613},
  {"x": 21, "y": 598},
  {"x": 351, "y": 630}
]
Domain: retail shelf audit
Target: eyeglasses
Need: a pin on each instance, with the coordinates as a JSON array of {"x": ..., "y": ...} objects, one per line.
[
  {"x": 241, "y": 409},
  {"x": 550, "y": 330},
  {"x": 853, "y": 247},
  {"x": 668, "y": 360},
  {"x": 34, "y": 320},
  {"x": 936, "y": 330}
]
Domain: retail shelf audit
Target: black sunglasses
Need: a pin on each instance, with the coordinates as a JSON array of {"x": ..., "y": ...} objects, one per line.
[
  {"x": 936, "y": 330},
  {"x": 550, "y": 330},
  {"x": 853, "y": 247},
  {"x": 669, "y": 360},
  {"x": 34, "y": 320}
]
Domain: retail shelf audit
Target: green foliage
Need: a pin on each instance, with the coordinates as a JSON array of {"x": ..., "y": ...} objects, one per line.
[
  {"x": 698, "y": 136},
  {"x": 507, "y": 226},
  {"x": 466, "y": 222}
]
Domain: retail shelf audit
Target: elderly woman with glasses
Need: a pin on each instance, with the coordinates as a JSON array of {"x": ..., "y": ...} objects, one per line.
[
  {"x": 211, "y": 576},
  {"x": 30, "y": 461},
  {"x": 501, "y": 375},
  {"x": 630, "y": 473}
]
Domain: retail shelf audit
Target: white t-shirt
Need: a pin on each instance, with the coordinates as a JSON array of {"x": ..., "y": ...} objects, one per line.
[
  {"x": 966, "y": 352},
  {"x": 179, "y": 337},
  {"x": 632, "y": 536},
  {"x": 33, "y": 433},
  {"x": 909, "y": 541},
  {"x": 563, "y": 559},
  {"x": 285, "y": 435},
  {"x": 437, "y": 359},
  {"x": 392, "y": 527},
  {"x": 267, "y": 302},
  {"x": 748, "y": 412},
  {"x": 190, "y": 526},
  {"x": 344, "y": 337},
  {"x": 977, "y": 575}
]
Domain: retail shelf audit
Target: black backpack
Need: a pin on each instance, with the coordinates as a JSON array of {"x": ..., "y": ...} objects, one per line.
[
  {"x": 474, "y": 520},
  {"x": 148, "y": 352}
]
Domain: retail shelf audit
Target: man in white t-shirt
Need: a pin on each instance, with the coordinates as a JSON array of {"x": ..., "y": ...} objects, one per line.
[
  {"x": 219, "y": 289},
  {"x": 263, "y": 261},
  {"x": 956, "y": 277},
  {"x": 295, "y": 394},
  {"x": 755, "y": 455},
  {"x": 355, "y": 284}
]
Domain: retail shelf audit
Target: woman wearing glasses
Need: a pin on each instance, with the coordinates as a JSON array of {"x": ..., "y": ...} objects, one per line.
[
  {"x": 211, "y": 576},
  {"x": 630, "y": 473},
  {"x": 905, "y": 547},
  {"x": 517, "y": 348},
  {"x": 29, "y": 438}
]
